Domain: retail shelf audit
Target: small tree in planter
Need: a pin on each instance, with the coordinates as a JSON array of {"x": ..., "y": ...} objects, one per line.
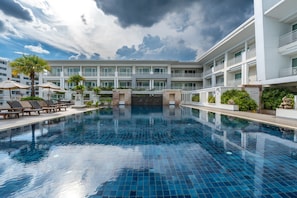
[{"x": 76, "y": 79}]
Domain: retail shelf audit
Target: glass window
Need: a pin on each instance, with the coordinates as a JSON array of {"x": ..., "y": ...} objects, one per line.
[
  {"x": 294, "y": 62},
  {"x": 237, "y": 54},
  {"x": 237, "y": 76},
  {"x": 294, "y": 27}
]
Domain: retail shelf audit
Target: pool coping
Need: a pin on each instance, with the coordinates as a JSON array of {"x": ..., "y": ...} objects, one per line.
[{"x": 257, "y": 117}]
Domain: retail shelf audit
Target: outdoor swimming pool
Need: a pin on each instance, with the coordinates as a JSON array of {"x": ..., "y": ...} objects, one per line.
[{"x": 148, "y": 152}]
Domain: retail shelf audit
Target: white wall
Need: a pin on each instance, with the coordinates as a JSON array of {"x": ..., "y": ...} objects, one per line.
[{"x": 268, "y": 31}]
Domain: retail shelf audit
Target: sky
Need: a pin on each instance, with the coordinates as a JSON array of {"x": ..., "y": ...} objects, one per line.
[{"x": 179, "y": 30}]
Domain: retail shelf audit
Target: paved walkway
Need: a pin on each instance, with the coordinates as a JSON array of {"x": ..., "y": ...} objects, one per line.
[
  {"x": 268, "y": 119},
  {"x": 34, "y": 117}
]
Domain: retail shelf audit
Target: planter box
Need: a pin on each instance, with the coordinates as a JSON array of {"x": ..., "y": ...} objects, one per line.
[{"x": 286, "y": 113}]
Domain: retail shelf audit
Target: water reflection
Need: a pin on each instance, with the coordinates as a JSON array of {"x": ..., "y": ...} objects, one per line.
[{"x": 186, "y": 151}]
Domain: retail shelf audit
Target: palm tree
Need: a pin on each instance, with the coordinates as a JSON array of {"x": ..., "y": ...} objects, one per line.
[
  {"x": 29, "y": 65},
  {"x": 76, "y": 79}
]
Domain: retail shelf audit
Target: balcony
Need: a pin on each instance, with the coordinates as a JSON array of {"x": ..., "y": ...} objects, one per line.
[
  {"x": 234, "y": 83},
  {"x": 208, "y": 71},
  {"x": 184, "y": 75},
  {"x": 125, "y": 74},
  {"x": 288, "y": 38},
  {"x": 89, "y": 74},
  {"x": 235, "y": 60},
  {"x": 219, "y": 67},
  {"x": 107, "y": 74},
  {"x": 251, "y": 53},
  {"x": 288, "y": 72}
]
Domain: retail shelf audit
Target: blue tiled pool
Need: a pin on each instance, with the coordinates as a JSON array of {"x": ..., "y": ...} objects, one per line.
[{"x": 148, "y": 152}]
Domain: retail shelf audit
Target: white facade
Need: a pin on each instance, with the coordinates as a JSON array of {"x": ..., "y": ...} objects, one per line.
[
  {"x": 5, "y": 74},
  {"x": 134, "y": 74},
  {"x": 260, "y": 52}
]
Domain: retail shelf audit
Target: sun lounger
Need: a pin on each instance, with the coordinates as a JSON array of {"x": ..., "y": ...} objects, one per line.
[
  {"x": 37, "y": 105},
  {"x": 8, "y": 112},
  {"x": 51, "y": 103},
  {"x": 29, "y": 108},
  {"x": 23, "y": 109}
]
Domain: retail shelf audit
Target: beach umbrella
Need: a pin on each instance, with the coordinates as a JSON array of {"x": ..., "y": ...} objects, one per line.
[
  {"x": 10, "y": 84},
  {"x": 49, "y": 86}
]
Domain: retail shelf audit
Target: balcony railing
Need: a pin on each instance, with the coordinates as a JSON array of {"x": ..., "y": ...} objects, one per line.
[
  {"x": 234, "y": 60},
  {"x": 89, "y": 74},
  {"x": 53, "y": 74},
  {"x": 218, "y": 67},
  {"x": 125, "y": 74},
  {"x": 209, "y": 71},
  {"x": 235, "y": 82},
  {"x": 186, "y": 75},
  {"x": 288, "y": 72},
  {"x": 251, "y": 53},
  {"x": 107, "y": 74},
  {"x": 288, "y": 38}
]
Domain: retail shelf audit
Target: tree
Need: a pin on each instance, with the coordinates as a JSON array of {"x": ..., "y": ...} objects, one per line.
[
  {"x": 76, "y": 79},
  {"x": 31, "y": 66}
]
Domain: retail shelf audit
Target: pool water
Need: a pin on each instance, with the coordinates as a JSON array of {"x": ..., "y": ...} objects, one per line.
[{"x": 148, "y": 152}]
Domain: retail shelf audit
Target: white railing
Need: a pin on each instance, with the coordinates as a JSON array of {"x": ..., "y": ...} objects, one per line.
[
  {"x": 251, "y": 53},
  {"x": 288, "y": 38},
  {"x": 125, "y": 74},
  {"x": 219, "y": 67},
  {"x": 89, "y": 74},
  {"x": 234, "y": 60},
  {"x": 209, "y": 71},
  {"x": 234, "y": 83},
  {"x": 288, "y": 71},
  {"x": 186, "y": 75}
]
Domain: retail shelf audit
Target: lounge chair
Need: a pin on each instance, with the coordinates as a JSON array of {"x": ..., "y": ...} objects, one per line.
[
  {"x": 36, "y": 104},
  {"x": 8, "y": 112},
  {"x": 29, "y": 108},
  {"x": 23, "y": 109},
  {"x": 51, "y": 103}
]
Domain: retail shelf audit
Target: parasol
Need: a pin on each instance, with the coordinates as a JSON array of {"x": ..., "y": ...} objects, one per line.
[{"x": 10, "y": 84}]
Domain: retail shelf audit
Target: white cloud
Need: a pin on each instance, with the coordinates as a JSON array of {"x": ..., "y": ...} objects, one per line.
[{"x": 37, "y": 49}]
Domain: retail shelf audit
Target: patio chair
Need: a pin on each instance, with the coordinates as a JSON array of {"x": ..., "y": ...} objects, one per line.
[
  {"x": 23, "y": 109},
  {"x": 51, "y": 103},
  {"x": 9, "y": 112},
  {"x": 29, "y": 108},
  {"x": 37, "y": 105}
]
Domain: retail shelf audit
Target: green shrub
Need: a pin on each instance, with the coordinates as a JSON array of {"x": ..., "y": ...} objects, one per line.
[
  {"x": 196, "y": 98},
  {"x": 240, "y": 98},
  {"x": 89, "y": 103},
  {"x": 272, "y": 97},
  {"x": 211, "y": 99},
  {"x": 31, "y": 98}
]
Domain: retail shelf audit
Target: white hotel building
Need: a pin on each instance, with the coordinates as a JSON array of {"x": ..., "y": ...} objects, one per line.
[{"x": 260, "y": 52}]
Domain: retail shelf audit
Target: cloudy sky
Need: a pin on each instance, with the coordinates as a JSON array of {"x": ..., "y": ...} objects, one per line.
[{"x": 117, "y": 29}]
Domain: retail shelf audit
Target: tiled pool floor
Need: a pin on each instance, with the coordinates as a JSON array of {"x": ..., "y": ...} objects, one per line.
[{"x": 148, "y": 153}]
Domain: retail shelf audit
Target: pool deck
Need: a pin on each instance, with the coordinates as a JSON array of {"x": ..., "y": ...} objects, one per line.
[
  {"x": 258, "y": 117},
  {"x": 264, "y": 118},
  {"x": 34, "y": 117}
]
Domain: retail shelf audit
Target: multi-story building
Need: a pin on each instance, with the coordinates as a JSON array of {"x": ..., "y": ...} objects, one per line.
[
  {"x": 134, "y": 74},
  {"x": 260, "y": 52},
  {"x": 5, "y": 74}
]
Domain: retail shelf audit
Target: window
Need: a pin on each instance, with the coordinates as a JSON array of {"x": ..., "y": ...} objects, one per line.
[
  {"x": 237, "y": 54},
  {"x": 294, "y": 27},
  {"x": 237, "y": 76},
  {"x": 142, "y": 70},
  {"x": 294, "y": 62}
]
